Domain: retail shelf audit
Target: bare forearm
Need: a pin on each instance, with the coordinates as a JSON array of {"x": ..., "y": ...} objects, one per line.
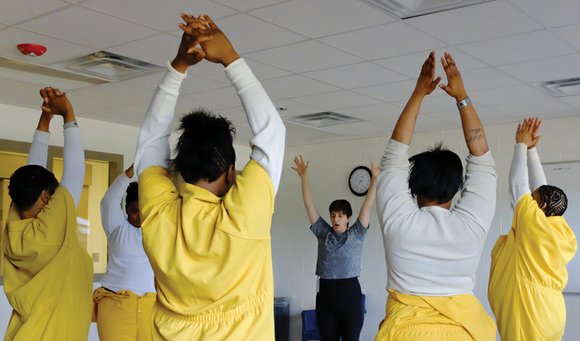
[
  {"x": 311, "y": 210},
  {"x": 364, "y": 215},
  {"x": 405, "y": 126},
  {"x": 473, "y": 131}
]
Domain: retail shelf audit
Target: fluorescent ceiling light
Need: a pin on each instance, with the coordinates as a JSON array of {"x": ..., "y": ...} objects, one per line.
[
  {"x": 406, "y": 9},
  {"x": 562, "y": 87}
]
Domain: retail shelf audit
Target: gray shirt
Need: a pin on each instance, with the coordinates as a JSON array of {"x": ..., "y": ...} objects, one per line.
[{"x": 339, "y": 255}]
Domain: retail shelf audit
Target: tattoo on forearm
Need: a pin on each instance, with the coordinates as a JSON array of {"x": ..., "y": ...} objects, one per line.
[{"x": 474, "y": 134}]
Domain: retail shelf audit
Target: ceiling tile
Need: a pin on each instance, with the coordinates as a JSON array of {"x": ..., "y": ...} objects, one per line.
[
  {"x": 159, "y": 16},
  {"x": 438, "y": 102},
  {"x": 571, "y": 34},
  {"x": 56, "y": 49},
  {"x": 263, "y": 71},
  {"x": 132, "y": 114},
  {"x": 224, "y": 97},
  {"x": 108, "y": 96},
  {"x": 299, "y": 135},
  {"x": 17, "y": 11},
  {"x": 248, "y": 4},
  {"x": 573, "y": 101},
  {"x": 485, "y": 79},
  {"x": 316, "y": 56},
  {"x": 545, "y": 70},
  {"x": 323, "y": 17},
  {"x": 431, "y": 123},
  {"x": 158, "y": 49},
  {"x": 383, "y": 41},
  {"x": 551, "y": 13},
  {"x": 209, "y": 70},
  {"x": 337, "y": 100},
  {"x": 289, "y": 108},
  {"x": 376, "y": 112},
  {"x": 21, "y": 93},
  {"x": 395, "y": 92},
  {"x": 186, "y": 104},
  {"x": 357, "y": 129},
  {"x": 511, "y": 94},
  {"x": 357, "y": 75},
  {"x": 94, "y": 30},
  {"x": 410, "y": 64},
  {"x": 191, "y": 84},
  {"x": 250, "y": 34},
  {"x": 518, "y": 48},
  {"x": 473, "y": 23},
  {"x": 296, "y": 86},
  {"x": 547, "y": 107}
]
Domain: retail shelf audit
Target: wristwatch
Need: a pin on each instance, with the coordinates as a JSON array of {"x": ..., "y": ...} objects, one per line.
[{"x": 463, "y": 103}]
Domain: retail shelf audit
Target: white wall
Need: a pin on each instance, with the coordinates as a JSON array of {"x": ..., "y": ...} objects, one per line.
[{"x": 294, "y": 246}]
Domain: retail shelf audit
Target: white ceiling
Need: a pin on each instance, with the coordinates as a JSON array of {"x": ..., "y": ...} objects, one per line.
[{"x": 311, "y": 56}]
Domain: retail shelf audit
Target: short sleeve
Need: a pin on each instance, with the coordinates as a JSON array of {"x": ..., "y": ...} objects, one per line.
[
  {"x": 359, "y": 230},
  {"x": 249, "y": 204},
  {"x": 320, "y": 228},
  {"x": 156, "y": 192}
]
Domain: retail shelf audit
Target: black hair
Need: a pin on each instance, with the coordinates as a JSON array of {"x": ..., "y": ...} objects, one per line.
[
  {"x": 27, "y": 183},
  {"x": 205, "y": 148},
  {"x": 436, "y": 174},
  {"x": 132, "y": 193},
  {"x": 555, "y": 200},
  {"x": 340, "y": 205}
]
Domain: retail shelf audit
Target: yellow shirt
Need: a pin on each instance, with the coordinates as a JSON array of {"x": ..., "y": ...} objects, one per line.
[
  {"x": 211, "y": 256},
  {"x": 47, "y": 274},
  {"x": 528, "y": 274}
]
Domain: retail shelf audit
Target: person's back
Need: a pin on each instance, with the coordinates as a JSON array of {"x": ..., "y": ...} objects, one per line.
[
  {"x": 528, "y": 270},
  {"x": 433, "y": 248},
  {"x": 209, "y": 241},
  {"x": 47, "y": 272}
]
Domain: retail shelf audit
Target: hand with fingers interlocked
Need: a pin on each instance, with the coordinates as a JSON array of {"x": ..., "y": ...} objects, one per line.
[{"x": 195, "y": 32}]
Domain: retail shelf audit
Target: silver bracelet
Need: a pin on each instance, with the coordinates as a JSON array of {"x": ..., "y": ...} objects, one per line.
[{"x": 463, "y": 103}]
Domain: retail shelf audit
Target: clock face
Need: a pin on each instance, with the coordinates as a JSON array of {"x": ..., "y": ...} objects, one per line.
[{"x": 359, "y": 180}]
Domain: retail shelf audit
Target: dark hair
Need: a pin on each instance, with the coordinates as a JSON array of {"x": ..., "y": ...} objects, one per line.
[
  {"x": 436, "y": 174},
  {"x": 340, "y": 205},
  {"x": 555, "y": 200},
  {"x": 26, "y": 184},
  {"x": 205, "y": 148},
  {"x": 132, "y": 193}
]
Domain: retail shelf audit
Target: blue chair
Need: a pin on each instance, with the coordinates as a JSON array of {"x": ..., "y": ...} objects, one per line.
[{"x": 310, "y": 327}]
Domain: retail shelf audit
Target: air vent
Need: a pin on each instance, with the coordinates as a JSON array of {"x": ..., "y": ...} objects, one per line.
[
  {"x": 562, "y": 87},
  {"x": 323, "y": 119},
  {"x": 406, "y": 9},
  {"x": 109, "y": 66}
]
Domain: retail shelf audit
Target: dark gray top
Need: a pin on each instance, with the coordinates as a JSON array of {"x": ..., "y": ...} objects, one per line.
[{"x": 339, "y": 255}]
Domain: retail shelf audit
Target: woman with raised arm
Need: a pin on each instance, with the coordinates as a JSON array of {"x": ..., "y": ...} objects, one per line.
[
  {"x": 48, "y": 274},
  {"x": 528, "y": 265},
  {"x": 433, "y": 248},
  {"x": 339, "y": 311}
]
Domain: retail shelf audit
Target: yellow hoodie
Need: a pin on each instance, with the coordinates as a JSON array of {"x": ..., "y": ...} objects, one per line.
[
  {"x": 47, "y": 274},
  {"x": 528, "y": 274}
]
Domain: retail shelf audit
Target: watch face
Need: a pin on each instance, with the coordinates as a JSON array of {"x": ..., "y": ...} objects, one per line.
[{"x": 359, "y": 180}]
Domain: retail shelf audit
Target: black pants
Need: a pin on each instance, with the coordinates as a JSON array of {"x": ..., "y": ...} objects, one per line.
[{"x": 339, "y": 311}]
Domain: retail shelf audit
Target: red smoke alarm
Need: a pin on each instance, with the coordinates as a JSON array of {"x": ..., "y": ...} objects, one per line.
[{"x": 31, "y": 50}]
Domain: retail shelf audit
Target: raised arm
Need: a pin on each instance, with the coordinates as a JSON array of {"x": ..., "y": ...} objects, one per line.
[
  {"x": 265, "y": 123},
  {"x": 38, "y": 153},
  {"x": 364, "y": 216},
  {"x": 301, "y": 169},
  {"x": 73, "y": 174},
  {"x": 519, "y": 180},
  {"x": 535, "y": 169},
  {"x": 112, "y": 214},
  {"x": 426, "y": 83},
  {"x": 472, "y": 127},
  {"x": 153, "y": 144}
]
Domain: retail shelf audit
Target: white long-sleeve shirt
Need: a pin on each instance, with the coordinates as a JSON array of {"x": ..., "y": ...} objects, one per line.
[
  {"x": 524, "y": 179},
  {"x": 268, "y": 130},
  {"x": 433, "y": 251},
  {"x": 73, "y": 175},
  {"x": 128, "y": 267}
]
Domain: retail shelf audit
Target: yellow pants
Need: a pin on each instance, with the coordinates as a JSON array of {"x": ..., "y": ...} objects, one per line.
[
  {"x": 426, "y": 318},
  {"x": 123, "y": 315}
]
